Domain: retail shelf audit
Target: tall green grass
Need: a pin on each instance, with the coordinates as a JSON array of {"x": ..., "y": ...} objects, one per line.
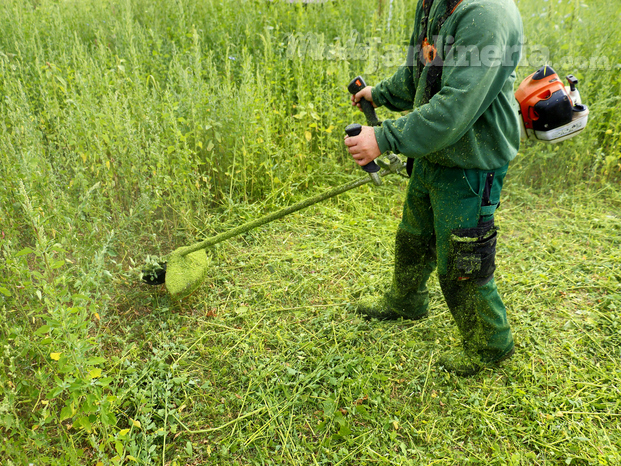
[{"x": 198, "y": 102}]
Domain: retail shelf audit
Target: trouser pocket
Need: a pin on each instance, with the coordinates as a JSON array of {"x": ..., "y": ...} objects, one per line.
[
  {"x": 487, "y": 185},
  {"x": 472, "y": 253}
]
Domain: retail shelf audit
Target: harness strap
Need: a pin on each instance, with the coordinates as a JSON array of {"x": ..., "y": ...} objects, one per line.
[
  {"x": 422, "y": 37},
  {"x": 428, "y": 57}
]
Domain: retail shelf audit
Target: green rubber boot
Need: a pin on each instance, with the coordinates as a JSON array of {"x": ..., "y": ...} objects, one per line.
[
  {"x": 481, "y": 318},
  {"x": 408, "y": 296},
  {"x": 464, "y": 365}
]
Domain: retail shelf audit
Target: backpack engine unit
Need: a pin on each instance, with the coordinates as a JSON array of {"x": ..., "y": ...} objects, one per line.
[{"x": 549, "y": 111}]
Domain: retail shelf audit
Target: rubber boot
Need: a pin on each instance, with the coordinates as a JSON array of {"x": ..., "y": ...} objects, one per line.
[
  {"x": 408, "y": 297},
  {"x": 481, "y": 318}
]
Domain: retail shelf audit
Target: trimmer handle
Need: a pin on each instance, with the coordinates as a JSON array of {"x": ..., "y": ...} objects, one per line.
[
  {"x": 356, "y": 86},
  {"x": 371, "y": 168}
]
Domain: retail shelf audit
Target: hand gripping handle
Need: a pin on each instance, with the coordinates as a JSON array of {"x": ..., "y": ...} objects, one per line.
[
  {"x": 371, "y": 168},
  {"x": 356, "y": 86}
]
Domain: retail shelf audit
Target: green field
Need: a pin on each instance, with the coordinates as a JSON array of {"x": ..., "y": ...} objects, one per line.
[{"x": 132, "y": 127}]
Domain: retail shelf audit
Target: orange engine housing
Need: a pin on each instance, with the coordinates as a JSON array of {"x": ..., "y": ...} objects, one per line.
[
  {"x": 534, "y": 94},
  {"x": 549, "y": 111}
]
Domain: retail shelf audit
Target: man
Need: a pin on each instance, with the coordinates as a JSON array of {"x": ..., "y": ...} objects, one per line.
[{"x": 459, "y": 139}]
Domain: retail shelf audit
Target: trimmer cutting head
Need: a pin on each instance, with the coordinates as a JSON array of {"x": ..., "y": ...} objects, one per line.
[
  {"x": 155, "y": 275},
  {"x": 184, "y": 274}
]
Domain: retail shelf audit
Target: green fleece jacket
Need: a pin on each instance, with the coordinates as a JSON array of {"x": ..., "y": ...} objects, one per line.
[{"x": 472, "y": 122}]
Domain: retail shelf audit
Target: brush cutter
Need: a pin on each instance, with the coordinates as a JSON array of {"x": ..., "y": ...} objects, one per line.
[{"x": 184, "y": 269}]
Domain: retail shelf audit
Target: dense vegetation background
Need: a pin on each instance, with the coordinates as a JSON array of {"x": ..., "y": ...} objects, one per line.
[{"x": 131, "y": 127}]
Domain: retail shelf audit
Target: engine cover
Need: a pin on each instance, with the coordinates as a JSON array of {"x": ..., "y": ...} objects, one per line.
[{"x": 549, "y": 111}]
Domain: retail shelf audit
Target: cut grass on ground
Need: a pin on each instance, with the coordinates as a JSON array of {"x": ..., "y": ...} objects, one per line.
[{"x": 268, "y": 364}]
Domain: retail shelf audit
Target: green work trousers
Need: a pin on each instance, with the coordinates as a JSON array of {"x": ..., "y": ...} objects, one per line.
[{"x": 448, "y": 223}]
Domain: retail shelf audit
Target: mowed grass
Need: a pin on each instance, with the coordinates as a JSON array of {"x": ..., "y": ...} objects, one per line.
[{"x": 268, "y": 363}]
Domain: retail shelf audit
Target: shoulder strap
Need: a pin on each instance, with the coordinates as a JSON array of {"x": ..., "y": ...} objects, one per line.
[
  {"x": 434, "y": 74},
  {"x": 427, "y": 4}
]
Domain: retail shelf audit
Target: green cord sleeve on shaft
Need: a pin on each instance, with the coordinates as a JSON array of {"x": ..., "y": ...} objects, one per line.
[{"x": 183, "y": 251}]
